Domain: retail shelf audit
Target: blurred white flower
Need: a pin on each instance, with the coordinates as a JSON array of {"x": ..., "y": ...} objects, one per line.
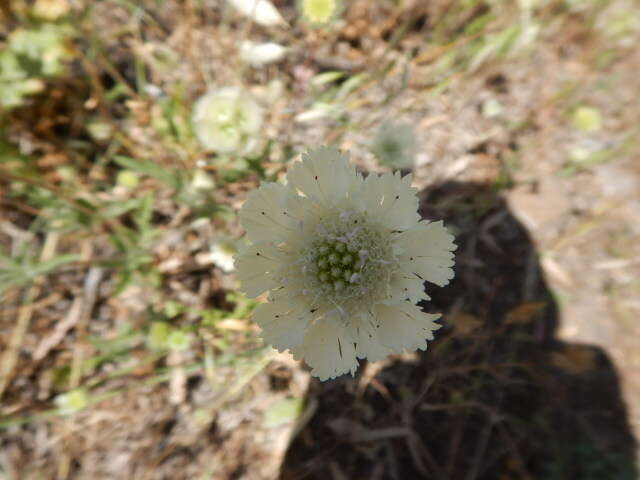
[
  {"x": 222, "y": 252},
  {"x": 128, "y": 179},
  {"x": 395, "y": 145},
  {"x": 202, "y": 181},
  {"x": 179, "y": 341},
  {"x": 72, "y": 402},
  {"x": 319, "y": 11},
  {"x": 587, "y": 119},
  {"x": 344, "y": 259},
  {"x": 491, "y": 108},
  {"x": 263, "y": 12},
  {"x": 258, "y": 54},
  {"x": 227, "y": 120}
]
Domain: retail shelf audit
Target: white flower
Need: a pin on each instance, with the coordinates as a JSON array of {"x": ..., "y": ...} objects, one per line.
[
  {"x": 395, "y": 145},
  {"x": 344, "y": 259},
  {"x": 319, "y": 12},
  {"x": 263, "y": 12},
  {"x": 258, "y": 54},
  {"x": 72, "y": 402},
  {"x": 222, "y": 252},
  {"x": 227, "y": 120}
]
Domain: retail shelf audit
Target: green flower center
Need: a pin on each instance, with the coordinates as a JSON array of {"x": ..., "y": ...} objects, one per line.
[
  {"x": 337, "y": 264},
  {"x": 350, "y": 262}
]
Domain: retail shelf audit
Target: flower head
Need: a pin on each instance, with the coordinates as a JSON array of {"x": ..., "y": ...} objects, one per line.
[
  {"x": 319, "y": 12},
  {"x": 395, "y": 145},
  {"x": 178, "y": 341},
  {"x": 344, "y": 259},
  {"x": 227, "y": 120},
  {"x": 72, "y": 402},
  {"x": 259, "y": 54}
]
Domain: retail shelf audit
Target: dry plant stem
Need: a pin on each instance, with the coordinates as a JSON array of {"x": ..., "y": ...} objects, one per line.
[
  {"x": 86, "y": 301},
  {"x": 92, "y": 282},
  {"x": 455, "y": 443},
  {"x": 421, "y": 454},
  {"x": 45, "y": 302},
  {"x": 61, "y": 329},
  {"x": 111, "y": 223},
  {"x": 178, "y": 379},
  {"x": 483, "y": 442},
  {"x": 10, "y": 357},
  {"x": 243, "y": 381}
]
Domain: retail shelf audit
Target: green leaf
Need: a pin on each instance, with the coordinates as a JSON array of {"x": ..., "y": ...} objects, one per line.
[
  {"x": 179, "y": 340},
  {"x": 158, "y": 335},
  {"x": 16, "y": 272},
  {"x": 142, "y": 216},
  {"x": 167, "y": 176},
  {"x": 325, "y": 78}
]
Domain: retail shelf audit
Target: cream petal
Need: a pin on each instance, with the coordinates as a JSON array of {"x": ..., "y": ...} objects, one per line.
[
  {"x": 218, "y": 139},
  {"x": 390, "y": 200},
  {"x": 404, "y": 326},
  {"x": 266, "y": 215},
  {"x": 252, "y": 115},
  {"x": 260, "y": 267},
  {"x": 289, "y": 291},
  {"x": 365, "y": 334},
  {"x": 426, "y": 238},
  {"x": 283, "y": 324},
  {"x": 328, "y": 349},
  {"x": 325, "y": 176},
  {"x": 426, "y": 250},
  {"x": 403, "y": 286}
]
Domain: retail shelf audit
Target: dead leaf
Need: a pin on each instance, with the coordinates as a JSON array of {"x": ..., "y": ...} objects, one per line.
[
  {"x": 524, "y": 313},
  {"x": 574, "y": 360},
  {"x": 465, "y": 323}
]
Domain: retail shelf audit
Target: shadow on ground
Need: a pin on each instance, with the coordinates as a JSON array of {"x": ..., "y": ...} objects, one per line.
[{"x": 497, "y": 396}]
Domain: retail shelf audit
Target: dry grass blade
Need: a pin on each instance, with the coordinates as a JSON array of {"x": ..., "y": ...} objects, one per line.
[{"x": 24, "y": 315}]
